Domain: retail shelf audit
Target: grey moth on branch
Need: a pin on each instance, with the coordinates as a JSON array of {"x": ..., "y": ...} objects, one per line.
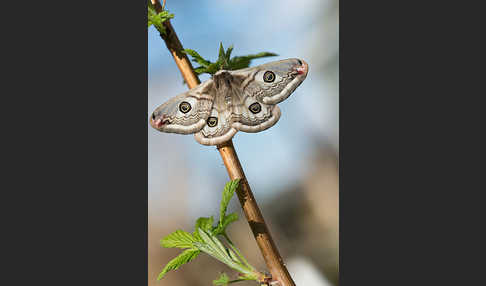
[{"x": 231, "y": 101}]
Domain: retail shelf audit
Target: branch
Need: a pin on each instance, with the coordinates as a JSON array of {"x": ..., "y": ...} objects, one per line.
[
  {"x": 254, "y": 216},
  {"x": 227, "y": 151}
]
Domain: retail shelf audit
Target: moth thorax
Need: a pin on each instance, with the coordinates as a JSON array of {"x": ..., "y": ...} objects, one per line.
[
  {"x": 223, "y": 79},
  {"x": 224, "y": 86}
]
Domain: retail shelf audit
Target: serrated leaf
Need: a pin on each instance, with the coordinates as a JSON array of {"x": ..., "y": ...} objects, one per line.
[
  {"x": 183, "y": 258},
  {"x": 228, "y": 192},
  {"x": 241, "y": 256},
  {"x": 216, "y": 248},
  {"x": 221, "y": 228},
  {"x": 229, "y": 219},
  {"x": 259, "y": 55},
  {"x": 151, "y": 13},
  {"x": 233, "y": 255},
  {"x": 237, "y": 63},
  {"x": 221, "y": 53},
  {"x": 179, "y": 238},
  {"x": 224, "y": 60},
  {"x": 157, "y": 19},
  {"x": 244, "y": 61},
  {"x": 196, "y": 57},
  {"x": 150, "y": 5},
  {"x": 228, "y": 53},
  {"x": 200, "y": 70},
  {"x": 222, "y": 280},
  {"x": 213, "y": 68},
  {"x": 212, "y": 246},
  {"x": 205, "y": 223}
]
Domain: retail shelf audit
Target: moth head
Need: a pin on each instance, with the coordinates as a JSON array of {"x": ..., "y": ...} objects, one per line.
[{"x": 158, "y": 120}]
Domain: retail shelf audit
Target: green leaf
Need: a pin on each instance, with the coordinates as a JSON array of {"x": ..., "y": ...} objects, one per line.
[
  {"x": 179, "y": 238},
  {"x": 214, "y": 247},
  {"x": 183, "y": 258},
  {"x": 222, "y": 280},
  {"x": 213, "y": 68},
  {"x": 157, "y": 19},
  {"x": 200, "y": 70},
  {"x": 221, "y": 53},
  {"x": 196, "y": 57},
  {"x": 228, "y": 192},
  {"x": 224, "y": 57},
  {"x": 224, "y": 60},
  {"x": 233, "y": 256},
  {"x": 228, "y": 53},
  {"x": 221, "y": 228},
  {"x": 232, "y": 217},
  {"x": 237, "y": 63},
  {"x": 205, "y": 223},
  {"x": 242, "y": 258},
  {"x": 150, "y": 5}
]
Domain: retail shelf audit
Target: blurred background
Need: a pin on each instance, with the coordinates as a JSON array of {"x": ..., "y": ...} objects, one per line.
[{"x": 291, "y": 167}]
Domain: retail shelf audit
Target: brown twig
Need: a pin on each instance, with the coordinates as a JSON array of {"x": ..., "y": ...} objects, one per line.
[
  {"x": 227, "y": 151},
  {"x": 254, "y": 216}
]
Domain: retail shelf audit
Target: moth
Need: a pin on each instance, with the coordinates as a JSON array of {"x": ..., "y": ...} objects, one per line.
[{"x": 231, "y": 101}]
